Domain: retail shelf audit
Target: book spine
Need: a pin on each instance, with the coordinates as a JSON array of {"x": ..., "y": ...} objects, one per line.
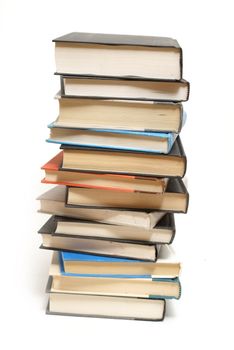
[
  {"x": 62, "y": 85},
  {"x": 181, "y": 63},
  {"x": 173, "y": 228},
  {"x": 181, "y": 118}
]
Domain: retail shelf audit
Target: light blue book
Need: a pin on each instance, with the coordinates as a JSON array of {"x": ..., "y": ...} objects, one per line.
[
  {"x": 121, "y": 285},
  {"x": 152, "y": 142}
]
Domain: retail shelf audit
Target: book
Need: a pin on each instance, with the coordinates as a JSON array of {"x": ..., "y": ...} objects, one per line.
[
  {"x": 106, "y": 307},
  {"x": 163, "y": 232},
  {"x": 124, "y": 89},
  {"x": 109, "y": 161},
  {"x": 130, "y": 183},
  {"x": 167, "y": 265},
  {"x": 174, "y": 199},
  {"x": 59, "y": 281},
  {"x": 146, "y": 251},
  {"x": 113, "y": 139},
  {"x": 119, "y": 114},
  {"x": 118, "y": 55},
  {"x": 53, "y": 202},
  {"x": 166, "y": 288}
]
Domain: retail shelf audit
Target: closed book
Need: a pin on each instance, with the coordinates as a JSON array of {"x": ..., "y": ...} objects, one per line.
[
  {"x": 59, "y": 281},
  {"x": 153, "y": 142},
  {"x": 124, "y": 89},
  {"x": 119, "y": 114},
  {"x": 165, "y": 288},
  {"x": 129, "y": 183},
  {"x": 167, "y": 265},
  {"x": 174, "y": 199},
  {"x": 146, "y": 251},
  {"x": 53, "y": 202},
  {"x": 118, "y": 55},
  {"x": 109, "y": 161},
  {"x": 67, "y": 304},
  {"x": 163, "y": 232}
]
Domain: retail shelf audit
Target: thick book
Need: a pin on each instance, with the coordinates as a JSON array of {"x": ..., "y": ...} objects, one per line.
[
  {"x": 175, "y": 198},
  {"x": 118, "y": 55},
  {"x": 109, "y": 161},
  {"x": 53, "y": 202},
  {"x": 52, "y": 240},
  {"x": 118, "y": 114},
  {"x": 153, "y": 142},
  {"x": 167, "y": 265},
  {"x": 129, "y": 183},
  {"x": 67, "y": 304},
  {"x": 166, "y": 288},
  {"x": 124, "y": 89},
  {"x": 163, "y": 232}
]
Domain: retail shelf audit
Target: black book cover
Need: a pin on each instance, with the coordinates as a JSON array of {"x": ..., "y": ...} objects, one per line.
[{"x": 118, "y": 39}]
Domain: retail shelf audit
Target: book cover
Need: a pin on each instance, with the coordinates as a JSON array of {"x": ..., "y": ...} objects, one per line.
[
  {"x": 77, "y": 137},
  {"x": 118, "y": 39}
]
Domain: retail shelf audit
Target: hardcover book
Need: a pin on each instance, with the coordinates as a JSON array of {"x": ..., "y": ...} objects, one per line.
[
  {"x": 167, "y": 265},
  {"x": 129, "y": 183},
  {"x": 174, "y": 199},
  {"x": 146, "y": 251},
  {"x": 109, "y": 161},
  {"x": 119, "y": 114},
  {"x": 106, "y": 306},
  {"x": 118, "y": 55},
  {"x": 53, "y": 202},
  {"x": 124, "y": 89},
  {"x": 114, "y": 139},
  {"x": 163, "y": 232}
]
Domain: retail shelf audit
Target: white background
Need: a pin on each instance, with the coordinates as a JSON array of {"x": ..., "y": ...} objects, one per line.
[{"x": 204, "y": 315}]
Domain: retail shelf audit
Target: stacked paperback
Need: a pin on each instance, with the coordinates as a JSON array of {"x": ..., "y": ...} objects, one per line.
[{"x": 118, "y": 176}]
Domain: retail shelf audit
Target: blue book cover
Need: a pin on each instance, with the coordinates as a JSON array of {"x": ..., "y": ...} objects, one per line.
[
  {"x": 68, "y": 136},
  {"x": 69, "y": 256}
]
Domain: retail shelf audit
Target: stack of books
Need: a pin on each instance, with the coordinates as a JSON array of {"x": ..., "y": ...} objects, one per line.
[{"x": 118, "y": 176}]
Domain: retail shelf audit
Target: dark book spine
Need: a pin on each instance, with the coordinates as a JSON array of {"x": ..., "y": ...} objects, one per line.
[{"x": 181, "y": 118}]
